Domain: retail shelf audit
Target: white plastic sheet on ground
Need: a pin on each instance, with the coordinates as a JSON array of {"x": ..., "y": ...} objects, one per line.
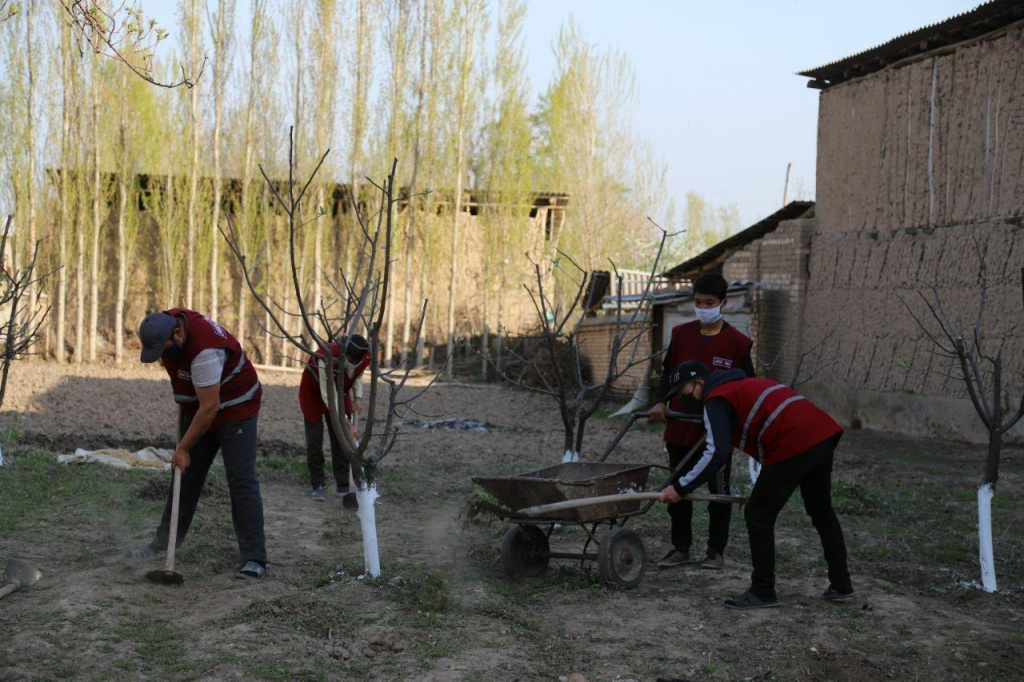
[{"x": 146, "y": 458}]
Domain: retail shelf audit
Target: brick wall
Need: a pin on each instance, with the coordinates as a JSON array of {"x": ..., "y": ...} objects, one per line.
[
  {"x": 777, "y": 263},
  {"x": 595, "y": 339}
]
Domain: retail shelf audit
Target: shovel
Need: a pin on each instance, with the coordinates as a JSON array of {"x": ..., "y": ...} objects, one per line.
[
  {"x": 167, "y": 575},
  {"x": 19, "y": 576}
]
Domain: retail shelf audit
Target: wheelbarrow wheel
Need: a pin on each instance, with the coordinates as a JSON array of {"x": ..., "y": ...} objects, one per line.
[
  {"x": 621, "y": 558},
  {"x": 525, "y": 551}
]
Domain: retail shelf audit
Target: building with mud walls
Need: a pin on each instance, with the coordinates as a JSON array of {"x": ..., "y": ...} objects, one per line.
[{"x": 920, "y": 184}]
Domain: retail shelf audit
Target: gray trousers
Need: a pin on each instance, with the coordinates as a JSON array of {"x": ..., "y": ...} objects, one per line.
[
  {"x": 236, "y": 442},
  {"x": 315, "y": 455}
]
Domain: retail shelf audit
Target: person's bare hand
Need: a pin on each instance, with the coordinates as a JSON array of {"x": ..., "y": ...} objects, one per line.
[
  {"x": 180, "y": 460},
  {"x": 353, "y": 431},
  {"x": 669, "y": 496},
  {"x": 658, "y": 413},
  {"x": 358, "y": 405}
]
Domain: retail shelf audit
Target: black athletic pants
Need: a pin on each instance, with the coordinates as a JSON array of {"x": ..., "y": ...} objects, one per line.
[
  {"x": 236, "y": 442},
  {"x": 811, "y": 471},
  {"x": 315, "y": 454},
  {"x": 681, "y": 513}
]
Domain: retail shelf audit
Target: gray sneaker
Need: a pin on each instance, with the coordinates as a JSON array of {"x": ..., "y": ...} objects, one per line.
[
  {"x": 675, "y": 557},
  {"x": 713, "y": 562},
  {"x": 319, "y": 495}
]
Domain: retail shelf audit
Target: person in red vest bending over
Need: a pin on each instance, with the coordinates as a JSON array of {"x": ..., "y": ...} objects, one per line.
[
  {"x": 711, "y": 341},
  {"x": 795, "y": 442},
  {"x": 313, "y": 401},
  {"x": 218, "y": 395}
]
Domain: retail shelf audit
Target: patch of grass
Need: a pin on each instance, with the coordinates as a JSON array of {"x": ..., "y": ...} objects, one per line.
[
  {"x": 311, "y": 615},
  {"x": 856, "y": 499},
  {"x": 30, "y": 480},
  {"x": 420, "y": 590}
]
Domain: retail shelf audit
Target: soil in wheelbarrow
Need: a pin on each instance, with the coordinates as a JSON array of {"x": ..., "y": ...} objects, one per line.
[{"x": 444, "y": 609}]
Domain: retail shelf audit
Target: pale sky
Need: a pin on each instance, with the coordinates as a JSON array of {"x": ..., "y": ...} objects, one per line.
[{"x": 717, "y": 93}]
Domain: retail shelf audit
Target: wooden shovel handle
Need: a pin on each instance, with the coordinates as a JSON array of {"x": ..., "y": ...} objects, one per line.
[
  {"x": 7, "y": 589},
  {"x": 172, "y": 537}
]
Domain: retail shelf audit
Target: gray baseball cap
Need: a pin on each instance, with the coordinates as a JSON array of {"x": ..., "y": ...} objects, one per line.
[{"x": 154, "y": 332}]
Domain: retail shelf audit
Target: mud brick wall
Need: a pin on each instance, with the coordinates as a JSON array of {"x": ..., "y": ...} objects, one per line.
[
  {"x": 914, "y": 164},
  {"x": 778, "y": 264},
  {"x": 595, "y": 340}
]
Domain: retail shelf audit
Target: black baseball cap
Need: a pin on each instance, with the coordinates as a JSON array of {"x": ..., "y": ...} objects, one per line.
[
  {"x": 356, "y": 347},
  {"x": 684, "y": 373},
  {"x": 154, "y": 332}
]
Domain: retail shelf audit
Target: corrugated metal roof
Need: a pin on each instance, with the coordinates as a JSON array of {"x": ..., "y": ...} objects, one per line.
[
  {"x": 791, "y": 211},
  {"x": 985, "y": 18}
]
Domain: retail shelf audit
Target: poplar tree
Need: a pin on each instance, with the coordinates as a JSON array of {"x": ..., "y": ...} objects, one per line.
[
  {"x": 470, "y": 22},
  {"x": 221, "y": 30},
  {"x": 507, "y": 163},
  {"x": 190, "y": 30},
  {"x": 257, "y": 84}
]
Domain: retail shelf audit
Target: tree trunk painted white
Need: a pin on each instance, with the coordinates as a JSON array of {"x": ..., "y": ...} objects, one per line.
[
  {"x": 366, "y": 496},
  {"x": 1, "y": 455},
  {"x": 988, "y": 564}
]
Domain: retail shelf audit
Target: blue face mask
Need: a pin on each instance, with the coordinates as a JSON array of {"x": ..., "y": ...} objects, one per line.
[{"x": 175, "y": 351}]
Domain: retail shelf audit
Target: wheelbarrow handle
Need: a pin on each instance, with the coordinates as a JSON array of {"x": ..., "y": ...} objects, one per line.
[
  {"x": 7, "y": 589},
  {"x": 622, "y": 497}
]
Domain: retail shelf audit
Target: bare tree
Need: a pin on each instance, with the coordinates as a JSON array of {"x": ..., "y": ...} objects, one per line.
[
  {"x": 562, "y": 374},
  {"x": 982, "y": 374},
  {"x": 124, "y": 34},
  {"x": 358, "y": 305},
  {"x": 19, "y": 325}
]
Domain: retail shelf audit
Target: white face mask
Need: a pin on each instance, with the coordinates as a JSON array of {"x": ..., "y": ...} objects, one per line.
[{"x": 708, "y": 315}]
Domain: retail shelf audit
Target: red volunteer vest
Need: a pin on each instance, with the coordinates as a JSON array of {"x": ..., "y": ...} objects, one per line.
[
  {"x": 240, "y": 390},
  {"x": 774, "y": 422},
  {"x": 310, "y": 400},
  {"x": 724, "y": 350}
]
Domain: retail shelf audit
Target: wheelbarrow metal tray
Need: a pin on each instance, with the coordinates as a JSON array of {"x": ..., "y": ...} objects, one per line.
[{"x": 570, "y": 481}]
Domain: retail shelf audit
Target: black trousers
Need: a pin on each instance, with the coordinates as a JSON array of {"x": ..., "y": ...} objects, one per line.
[
  {"x": 811, "y": 471},
  {"x": 315, "y": 454},
  {"x": 681, "y": 513},
  {"x": 236, "y": 442}
]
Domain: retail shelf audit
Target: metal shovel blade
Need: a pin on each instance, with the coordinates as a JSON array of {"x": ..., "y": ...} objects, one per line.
[
  {"x": 21, "y": 574},
  {"x": 164, "y": 577}
]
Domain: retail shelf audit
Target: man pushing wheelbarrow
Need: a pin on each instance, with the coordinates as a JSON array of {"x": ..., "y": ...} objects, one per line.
[{"x": 795, "y": 442}]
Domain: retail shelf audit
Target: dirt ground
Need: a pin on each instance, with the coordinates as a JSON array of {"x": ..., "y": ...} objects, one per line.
[{"x": 444, "y": 609}]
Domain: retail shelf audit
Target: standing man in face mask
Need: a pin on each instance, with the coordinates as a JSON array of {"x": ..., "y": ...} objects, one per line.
[
  {"x": 219, "y": 395},
  {"x": 313, "y": 401},
  {"x": 714, "y": 343}
]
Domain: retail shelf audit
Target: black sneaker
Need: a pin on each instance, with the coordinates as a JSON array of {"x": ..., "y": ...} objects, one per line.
[
  {"x": 748, "y": 600},
  {"x": 713, "y": 562},
  {"x": 674, "y": 558},
  {"x": 832, "y": 594}
]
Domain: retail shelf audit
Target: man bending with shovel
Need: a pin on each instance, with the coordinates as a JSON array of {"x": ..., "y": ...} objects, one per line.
[
  {"x": 218, "y": 394},
  {"x": 795, "y": 442}
]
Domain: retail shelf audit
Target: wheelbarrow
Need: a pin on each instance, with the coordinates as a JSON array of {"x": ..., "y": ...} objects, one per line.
[{"x": 584, "y": 494}]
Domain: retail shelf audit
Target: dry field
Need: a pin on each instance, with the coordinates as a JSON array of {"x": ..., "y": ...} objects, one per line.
[{"x": 444, "y": 608}]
